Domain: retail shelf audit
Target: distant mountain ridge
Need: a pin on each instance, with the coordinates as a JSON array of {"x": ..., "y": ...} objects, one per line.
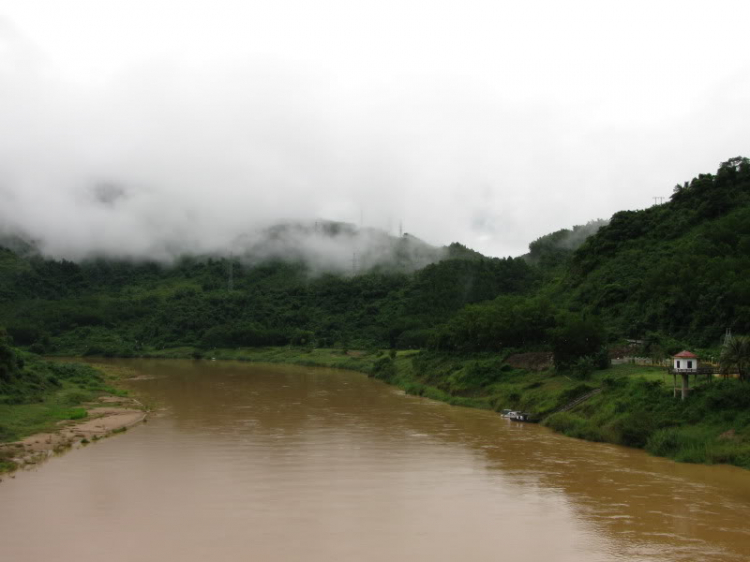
[
  {"x": 326, "y": 282},
  {"x": 322, "y": 246}
]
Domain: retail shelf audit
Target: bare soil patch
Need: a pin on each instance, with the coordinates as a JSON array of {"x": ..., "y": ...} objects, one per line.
[{"x": 109, "y": 415}]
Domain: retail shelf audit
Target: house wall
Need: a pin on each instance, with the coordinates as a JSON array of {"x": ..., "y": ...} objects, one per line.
[{"x": 684, "y": 363}]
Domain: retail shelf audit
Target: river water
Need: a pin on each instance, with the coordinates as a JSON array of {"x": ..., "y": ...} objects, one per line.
[{"x": 280, "y": 463}]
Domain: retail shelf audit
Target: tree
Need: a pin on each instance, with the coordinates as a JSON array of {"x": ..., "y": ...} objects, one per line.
[
  {"x": 574, "y": 338},
  {"x": 8, "y": 360},
  {"x": 736, "y": 355}
]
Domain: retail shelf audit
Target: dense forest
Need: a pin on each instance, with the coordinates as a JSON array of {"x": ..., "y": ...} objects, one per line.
[
  {"x": 680, "y": 269},
  {"x": 673, "y": 274},
  {"x": 121, "y": 307}
]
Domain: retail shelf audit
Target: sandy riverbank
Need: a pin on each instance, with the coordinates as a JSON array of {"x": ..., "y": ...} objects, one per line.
[{"x": 107, "y": 416}]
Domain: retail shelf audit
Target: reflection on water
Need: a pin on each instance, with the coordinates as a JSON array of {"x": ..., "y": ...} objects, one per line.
[{"x": 273, "y": 463}]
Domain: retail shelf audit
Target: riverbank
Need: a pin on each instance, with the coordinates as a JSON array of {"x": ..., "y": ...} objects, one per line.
[
  {"x": 64, "y": 405},
  {"x": 104, "y": 418},
  {"x": 635, "y": 406}
]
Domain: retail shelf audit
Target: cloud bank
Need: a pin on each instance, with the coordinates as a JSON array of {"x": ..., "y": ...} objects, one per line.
[{"x": 139, "y": 131}]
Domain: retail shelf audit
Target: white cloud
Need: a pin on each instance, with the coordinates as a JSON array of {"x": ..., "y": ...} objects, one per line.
[{"x": 481, "y": 122}]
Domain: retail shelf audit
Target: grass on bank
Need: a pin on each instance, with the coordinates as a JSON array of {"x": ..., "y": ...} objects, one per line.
[
  {"x": 21, "y": 420},
  {"x": 42, "y": 395},
  {"x": 711, "y": 426}
]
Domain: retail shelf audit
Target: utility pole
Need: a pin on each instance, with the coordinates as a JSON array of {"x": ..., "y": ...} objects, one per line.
[
  {"x": 354, "y": 263},
  {"x": 400, "y": 229}
]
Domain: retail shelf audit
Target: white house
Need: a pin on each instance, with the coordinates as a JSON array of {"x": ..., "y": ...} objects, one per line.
[{"x": 685, "y": 362}]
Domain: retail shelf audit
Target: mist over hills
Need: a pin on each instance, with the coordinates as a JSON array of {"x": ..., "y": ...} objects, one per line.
[
  {"x": 553, "y": 249},
  {"x": 674, "y": 274},
  {"x": 329, "y": 246},
  {"x": 322, "y": 246}
]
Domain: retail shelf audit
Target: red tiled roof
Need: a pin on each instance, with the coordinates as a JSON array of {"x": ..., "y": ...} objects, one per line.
[{"x": 687, "y": 354}]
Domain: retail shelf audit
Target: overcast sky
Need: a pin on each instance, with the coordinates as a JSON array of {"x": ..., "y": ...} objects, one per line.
[{"x": 485, "y": 122}]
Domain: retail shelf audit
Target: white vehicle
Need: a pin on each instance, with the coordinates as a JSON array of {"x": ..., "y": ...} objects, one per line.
[{"x": 516, "y": 415}]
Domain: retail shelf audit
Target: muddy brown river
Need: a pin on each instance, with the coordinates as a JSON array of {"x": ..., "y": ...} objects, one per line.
[{"x": 278, "y": 463}]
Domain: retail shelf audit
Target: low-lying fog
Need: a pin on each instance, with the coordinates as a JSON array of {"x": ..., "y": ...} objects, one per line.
[{"x": 136, "y": 129}]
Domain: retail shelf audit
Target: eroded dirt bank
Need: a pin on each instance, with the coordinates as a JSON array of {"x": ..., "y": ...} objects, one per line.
[{"x": 107, "y": 416}]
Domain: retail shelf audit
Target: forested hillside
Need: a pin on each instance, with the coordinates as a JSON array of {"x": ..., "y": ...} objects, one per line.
[
  {"x": 677, "y": 271},
  {"x": 681, "y": 269},
  {"x": 121, "y": 307},
  {"x": 555, "y": 249}
]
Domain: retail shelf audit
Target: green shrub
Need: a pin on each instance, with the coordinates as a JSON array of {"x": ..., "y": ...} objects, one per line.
[
  {"x": 635, "y": 428},
  {"x": 602, "y": 359},
  {"x": 384, "y": 369},
  {"x": 75, "y": 397},
  {"x": 414, "y": 388},
  {"x": 664, "y": 442},
  {"x": 77, "y": 414},
  {"x": 572, "y": 393},
  {"x": 574, "y": 426},
  {"x": 728, "y": 395},
  {"x": 583, "y": 367},
  {"x": 7, "y": 434},
  {"x": 609, "y": 382}
]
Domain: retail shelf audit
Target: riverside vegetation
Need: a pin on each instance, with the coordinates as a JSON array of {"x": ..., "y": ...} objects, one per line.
[
  {"x": 37, "y": 395},
  {"x": 672, "y": 276}
]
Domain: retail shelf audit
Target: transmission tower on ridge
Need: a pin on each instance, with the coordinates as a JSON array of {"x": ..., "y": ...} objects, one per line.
[{"x": 727, "y": 337}]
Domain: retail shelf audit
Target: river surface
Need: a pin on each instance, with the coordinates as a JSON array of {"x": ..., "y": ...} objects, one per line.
[{"x": 280, "y": 463}]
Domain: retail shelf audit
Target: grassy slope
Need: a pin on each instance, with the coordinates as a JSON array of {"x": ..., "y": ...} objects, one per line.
[
  {"x": 712, "y": 426},
  {"x": 68, "y": 386}
]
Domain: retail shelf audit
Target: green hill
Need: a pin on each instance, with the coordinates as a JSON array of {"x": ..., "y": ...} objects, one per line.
[
  {"x": 681, "y": 269},
  {"x": 119, "y": 307}
]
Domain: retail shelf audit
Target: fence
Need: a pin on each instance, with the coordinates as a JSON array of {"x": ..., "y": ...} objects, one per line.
[{"x": 646, "y": 361}]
